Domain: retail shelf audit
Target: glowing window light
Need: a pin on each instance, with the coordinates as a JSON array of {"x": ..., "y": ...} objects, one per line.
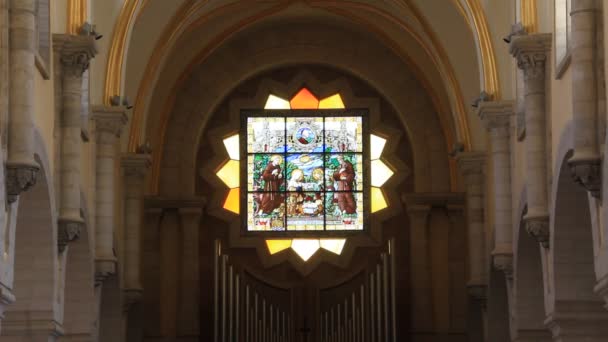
[
  {"x": 380, "y": 173},
  {"x": 376, "y": 146},
  {"x": 275, "y": 102},
  {"x": 232, "y": 201},
  {"x": 333, "y": 245},
  {"x": 305, "y": 248},
  {"x": 276, "y": 246},
  {"x": 229, "y": 174},
  {"x": 232, "y": 147},
  {"x": 332, "y": 102},
  {"x": 304, "y": 99},
  {"x": 378, "y": 200}
]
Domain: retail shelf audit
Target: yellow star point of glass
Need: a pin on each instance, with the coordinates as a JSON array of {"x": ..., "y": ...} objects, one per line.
[
  {"x": 332, "y": 102},
  {"x": 333, "y": 245},
  {"x": 380, "y": 173},
  {"x": 232, "y": 201},
  {"x": 305, "y": 248},
  {"x": 378, "y": 200},
  {"x": 232, "y": 147},
  {"x": 229, "y": 174},
  {"x": 275, "y": 102},
  {"x": 376, "y": 146},
  {"x": 276, "y": 246}
]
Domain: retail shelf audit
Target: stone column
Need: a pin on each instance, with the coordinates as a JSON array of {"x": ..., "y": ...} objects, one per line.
[
  {"x": 188, "y": 315},
  {"x": 471, "y": 165},
  {"x": 585, "y": 164},
  {"x": 497, "y": 118},
  {"x": 76, "y": 53},
  {"x": 108, "y": 125},
  {"x": 135, "y": 166},
  {"x": 21, "y": 168},
  {"x": 531, "y": 52},
  {"x": 420, "y": 268}
]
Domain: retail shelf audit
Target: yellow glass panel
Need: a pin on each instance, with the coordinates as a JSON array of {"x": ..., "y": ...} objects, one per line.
[
  {"x": 229, "y": 174},
  {"x": 276, "y": 246},
  {"x": 232, "y": 201},
  {"x": 332, "y": 102},
  {"x": 304, "y": 99},
  {"x": 378, "y": 200},
  {"x": 275, "y": 102},
  {"x": 380, "y": 173},
  {"x": 377, "y": 146},
  {"x": 333, "y": 245},
  {"x": 305, "y": 248},
  {"x": 232, "y": 147}
]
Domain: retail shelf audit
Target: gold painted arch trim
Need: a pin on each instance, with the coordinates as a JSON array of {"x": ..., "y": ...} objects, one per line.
[
  {"x": 529, "y": 15},
  {"x": 113, "y": 81},
  {"x": 77, "y": 15}
]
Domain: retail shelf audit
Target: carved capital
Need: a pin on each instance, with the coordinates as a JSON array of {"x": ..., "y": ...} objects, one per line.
[
  {"x": 136, "y": 164},
  {"x": 19, "y": 178},
  {"x": 104, "y": 268},
  {"x": 68, "y": 231},
  {"x": 471, "y": 163},
  {"x": 75, "y": 51},
  {"x": 538, "y": 228},
  {"x": 109, "y": 119},
  {"x": 531, "y": 52},
  {"x": 504, "y": 263},
  {"x": 131, "y": 297},
  {"x": 478, "y": 293},
  {"x": 588, "y": 174},
  {"x": 496, "y": 114}
]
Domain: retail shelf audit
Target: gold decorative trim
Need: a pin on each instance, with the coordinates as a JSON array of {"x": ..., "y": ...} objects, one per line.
[
  {"x": 113, "y": 81},
  {"x": 529, "y": 15},
  {"x": 77, "y": 15},
  {"x": 486, "y": 48}
]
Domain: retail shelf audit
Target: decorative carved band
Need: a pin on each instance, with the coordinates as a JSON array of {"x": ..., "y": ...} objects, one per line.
[
  {"x": 19, "y": 178},
  {"x": 109, "y": 119},
  {"x": 76, "y": 52},
  {"x": 531, "y": 52}
]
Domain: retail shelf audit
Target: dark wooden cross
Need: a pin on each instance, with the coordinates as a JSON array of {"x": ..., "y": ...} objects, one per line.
[{"x": 305, "y": 330}]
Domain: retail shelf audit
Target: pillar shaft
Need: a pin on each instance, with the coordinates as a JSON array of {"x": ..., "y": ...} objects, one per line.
[
  {"x": 76, "y": 53},
  {"x": 422, "y": 297},
  {"x": 585, "y": 163},
  {"x": 188, "y": 323},
  {"x": 21, "y": 166},
  {"x": 471, "y": 165},
  {"x": 497, "y": 118},
  {"x": 108, "y": 124},
  {"x": 135, "y": 167},
  {"x": 531, "y": 53}
]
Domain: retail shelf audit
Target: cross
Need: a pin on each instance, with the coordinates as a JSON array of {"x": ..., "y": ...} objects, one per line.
[{"x": 305, "y": 330}]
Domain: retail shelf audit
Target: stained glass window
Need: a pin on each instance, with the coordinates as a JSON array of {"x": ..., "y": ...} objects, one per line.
[
  {"x": 308, "y": 155},
  {"x": 304, "y": 169}
]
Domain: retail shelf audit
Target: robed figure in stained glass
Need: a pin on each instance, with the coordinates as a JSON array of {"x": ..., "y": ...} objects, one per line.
[
  {"x": 272, "y": 176},
  {"x": 344, "y": 178}
]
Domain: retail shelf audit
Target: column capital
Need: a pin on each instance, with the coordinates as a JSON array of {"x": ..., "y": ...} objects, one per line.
[
  {"x": 479, "y": 293},
  {"x": 136, "y": 164},
  {"x": 503, "y": 262},
  {"x": 67, "y": 231},
  {"x": 496, "y": 114},
  {"x": 19, "y": 178},
  {"x": 471, "y": 162},
  {"x": 538, "y": 228},
  {"x": 109, "y": 119},
  {"x": 75, "y": 51},
  {"x": 531, "y": 51}
]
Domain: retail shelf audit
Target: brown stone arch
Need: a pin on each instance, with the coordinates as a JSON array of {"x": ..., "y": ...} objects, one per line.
[
  {"x": 37, "y": 310},
  {"x": 213, "y": 79},
  {"x": 571, "y": 264}
]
